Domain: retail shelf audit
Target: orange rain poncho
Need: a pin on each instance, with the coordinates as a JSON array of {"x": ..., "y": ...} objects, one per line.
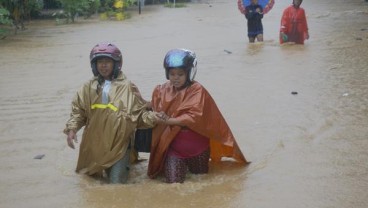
[
  {"x": 294, "y": 25},
  {"x": 196, "y": 109},
  {"x": 109, "y": 128}
]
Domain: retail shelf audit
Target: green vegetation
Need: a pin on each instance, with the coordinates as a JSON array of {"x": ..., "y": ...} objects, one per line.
[
  {"x": 73, "y": 8},
  {"x": 175, "y": 5},
  {"x": 115, "y": 9},
  {"x": 4, "y": 22},
  {"x": 14, "y": 13}
]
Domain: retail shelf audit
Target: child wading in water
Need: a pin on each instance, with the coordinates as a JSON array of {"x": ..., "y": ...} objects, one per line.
[
  {"x": 110, "y": 109},
  {"x": 254, "y": 15},
  {"x": 192, "y": 129}
]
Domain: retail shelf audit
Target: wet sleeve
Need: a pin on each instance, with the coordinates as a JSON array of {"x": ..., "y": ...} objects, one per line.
[
  {"x": 156, "y": 97},
  {"x": 284, "y": 22},
  {"x": 78, "y": 116},
  {"x": 241, "y": 7},
  {"x": 260, "y": 16},
  {"x": 305, "y": 24},
  {"x": 145, "y": 118}
]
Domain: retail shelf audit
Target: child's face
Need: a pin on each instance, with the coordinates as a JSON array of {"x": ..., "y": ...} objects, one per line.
[
  {"x": 105, "y": 67},
  {"x": 254, "y": 1},
  {"x": 178, "y": 77}
]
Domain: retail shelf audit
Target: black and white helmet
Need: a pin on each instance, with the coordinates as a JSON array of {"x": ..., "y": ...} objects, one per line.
[{"x": 183, "y": 59}]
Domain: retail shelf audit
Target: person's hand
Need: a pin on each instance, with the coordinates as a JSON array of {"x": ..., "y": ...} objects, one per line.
[
  {"x": 258, "y": 10},
  {"x": 161, "y": 117},
  {"x": 284, "y": 37},
  {"x": 148, "y": 105},
  {"x": 71, "y": 136},
  {"x": 307, "y": 36}
]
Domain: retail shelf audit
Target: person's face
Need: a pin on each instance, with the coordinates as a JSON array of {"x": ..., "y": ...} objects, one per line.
[
  {"x": 254, "y": 1},
  {"x": 297, "y": 3},
  {"x": 105, "y": 67},
  {"x": 178, "y": 77}
]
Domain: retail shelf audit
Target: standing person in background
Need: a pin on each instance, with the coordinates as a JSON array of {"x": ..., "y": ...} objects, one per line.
[
  {"x": 192, "y": 129},
  {"x": 110, "y": 109},
  {"x": 294, "y": 27},
  {"x": 254, "y": 15}
]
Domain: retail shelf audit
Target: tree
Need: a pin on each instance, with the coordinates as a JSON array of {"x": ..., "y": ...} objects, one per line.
[{"x": 73, "y": 8}]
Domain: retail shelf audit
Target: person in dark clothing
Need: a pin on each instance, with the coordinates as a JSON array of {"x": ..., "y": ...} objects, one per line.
[{"x": 254, "y": 15}]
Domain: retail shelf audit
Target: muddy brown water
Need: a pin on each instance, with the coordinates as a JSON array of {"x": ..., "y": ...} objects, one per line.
[{"x": 307, "y": 149}]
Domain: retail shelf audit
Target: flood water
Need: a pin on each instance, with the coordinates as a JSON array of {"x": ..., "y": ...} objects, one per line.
[{"x": 307, "y": 150}]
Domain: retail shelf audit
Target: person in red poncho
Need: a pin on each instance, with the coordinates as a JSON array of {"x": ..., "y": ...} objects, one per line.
[
  {"x": 294, "y": 27},
  {"x": 192, "y": 129}
]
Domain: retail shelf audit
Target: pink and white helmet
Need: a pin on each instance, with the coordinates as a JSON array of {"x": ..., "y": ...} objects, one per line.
[{"x": 106, "y": 50}]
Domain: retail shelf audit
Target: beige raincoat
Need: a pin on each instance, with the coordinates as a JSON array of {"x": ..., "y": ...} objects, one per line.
[{"x": 108, "y": 127}]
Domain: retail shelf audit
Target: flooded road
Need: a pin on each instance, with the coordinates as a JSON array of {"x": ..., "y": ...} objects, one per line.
[{"x": 307, "y": 150}]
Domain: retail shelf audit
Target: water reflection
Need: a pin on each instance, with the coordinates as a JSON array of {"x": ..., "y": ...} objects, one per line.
[
  {"x": 255, "y": 48},
  {"x": 197, "y": 191}
]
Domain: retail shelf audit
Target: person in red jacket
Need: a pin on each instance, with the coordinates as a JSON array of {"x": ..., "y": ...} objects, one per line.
[{"x": 294, "y": 27}]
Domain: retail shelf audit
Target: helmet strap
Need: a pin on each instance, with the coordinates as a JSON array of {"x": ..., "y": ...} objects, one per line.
[
  {"x": 116, "y": 70},
  {"x": 94, "y": 68}
]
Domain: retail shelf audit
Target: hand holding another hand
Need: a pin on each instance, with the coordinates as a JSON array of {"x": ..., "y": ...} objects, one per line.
[{"x": 161, "y": 117}]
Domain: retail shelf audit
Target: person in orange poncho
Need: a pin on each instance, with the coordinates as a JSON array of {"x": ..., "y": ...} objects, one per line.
[
  {"x": 192, "y": 129},
  {"x": 294, "y": 27}
]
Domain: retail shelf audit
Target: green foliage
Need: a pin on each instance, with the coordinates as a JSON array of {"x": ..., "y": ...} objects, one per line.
[
  {"x": 74, "y": 8},
  {"x": 115, "y": 9},
  {"x": 175, "y": 5},
  {"x": 92, "y": 8},
  {"x": 35, "y": 7},
  {"x": 51, "y": 4},
  {"x": 106, "y": 6},
  {"x": 4, "y": 17},
  {"x": 130, "y": 2},
  {"x": 4, "y": 22},
  {"x": 24, "y": 8}
]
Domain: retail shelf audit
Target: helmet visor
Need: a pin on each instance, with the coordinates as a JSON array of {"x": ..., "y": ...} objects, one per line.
[{"x": 99, "y": 55}]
